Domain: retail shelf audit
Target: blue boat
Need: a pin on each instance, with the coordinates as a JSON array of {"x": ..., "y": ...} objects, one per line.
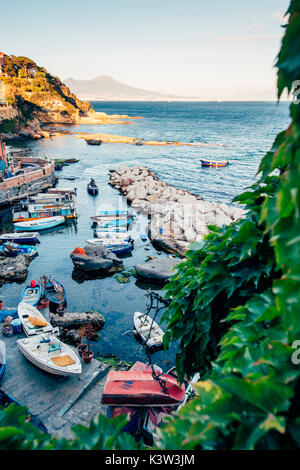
[
  {"x": 55, "y": 293},
  {"x": 120, "y": 249},
  {"x": 21, "y": 238},
  {"x": 26, "y": 250},
  {"x": 39, "y": 224},
  {"x": 32, "y": 294},
  {"x": 2, "y": 359}
]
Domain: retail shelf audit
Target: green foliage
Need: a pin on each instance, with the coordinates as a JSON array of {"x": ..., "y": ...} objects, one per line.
[
  {"x": 235, "y": 305},
  {"x": 102, "y": 434}
]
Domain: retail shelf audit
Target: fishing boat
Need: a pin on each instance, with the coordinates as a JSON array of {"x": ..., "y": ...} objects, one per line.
[
  {"x": 21, "y": 238},
  {"x": 51, "y": 355},
  {"x": 40, "y": 224},
  {"x": 116, "y": 213},
  {"x": 32, "y": 320},
  {"x": 92, "y": 188},
  {"x": 139, "y": 388},
  {"x": 32, "y": 293},
  {"x": 2, "y": 358},
  {"x": 115, "y": 246},
  {"x": 60, "y": 202},
  {"x": 6, "y": 400},
  {"x": 25, "y": 250},
  {"x": 111, "y": 240},
  {"x": 113, "y": 223},
  {"x": 148, "y": 330},
  {"x": 110, "y": 231},
  {"x": 214, "y": 163},
  {"x": 55, "y": 293}
]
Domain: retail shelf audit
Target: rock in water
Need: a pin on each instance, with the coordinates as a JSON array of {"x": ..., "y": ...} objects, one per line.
[
  {"x": 157, "y": 270},
  {"x": 94, "y": 258}
]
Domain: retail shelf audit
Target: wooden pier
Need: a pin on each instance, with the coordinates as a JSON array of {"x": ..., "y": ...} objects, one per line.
[{"x": 60, "y": 402}]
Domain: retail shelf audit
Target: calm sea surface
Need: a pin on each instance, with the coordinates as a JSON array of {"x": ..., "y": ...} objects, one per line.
[{"x": 245, "y": 132}]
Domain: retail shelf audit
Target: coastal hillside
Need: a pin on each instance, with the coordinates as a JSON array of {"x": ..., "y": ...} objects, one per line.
[
  {"x": 107, "y": 88},
  {"x": 31, "y": 97}
]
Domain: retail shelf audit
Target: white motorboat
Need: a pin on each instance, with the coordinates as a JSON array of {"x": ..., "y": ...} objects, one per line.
[
  {"x": 149, "y": 331},
  {"x": 51, "y": 355},
  {"x": 32, "y": 320}
]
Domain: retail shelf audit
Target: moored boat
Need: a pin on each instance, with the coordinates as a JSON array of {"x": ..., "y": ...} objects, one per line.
[
  {"x": 139, "y": 388},
  {"x": 111, "y": 240},
  {"x": 114, "y": 212},
  {"x": 51, "y": 355},
  {"x": 149, "y": 331},
  {"x": 22, "y": 238},
  {"x": 25, "y": 250},
  {"x": 214, "y": 163},
  {"x": 55, "y": 293},
  {"x": 2, "y": 358},
  {"x": 32, "y": 320},
  {"x": 92, "y": 188},
  {"x": 32, "y": 293},
  {"x": 40, "y": 224}
]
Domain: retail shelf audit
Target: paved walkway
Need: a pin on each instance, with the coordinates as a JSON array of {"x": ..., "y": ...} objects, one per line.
[{"x": 59, "y": 402}]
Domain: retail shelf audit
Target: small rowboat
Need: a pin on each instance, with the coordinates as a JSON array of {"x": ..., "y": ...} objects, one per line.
[
  {"x": 92, "y": 188},
  {"x": 55, "y": 293},
  {"x": 138, "y": 388},
  {"x": 31, "y": 294},
  {"x": 149, "y": 331},
  {"x": 40, "y": 224},
  {"x": 6, "y": 400},
  {"x": 214, "y": 163},
  {"x": 114, "y": 223},
  {"x": 110, "y": 241},
  {"x": 109, "y": 231},
  {"x": 29, "y": 315},
  {"x": 26, "y": 238},
  {"x": 25, "y": 250},
  {"x": 2, "y": 358},
  {"x": 51, "y": 355}
]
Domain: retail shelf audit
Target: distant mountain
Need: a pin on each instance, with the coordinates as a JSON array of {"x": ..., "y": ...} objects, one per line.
[{"x": 106, "y": 88}]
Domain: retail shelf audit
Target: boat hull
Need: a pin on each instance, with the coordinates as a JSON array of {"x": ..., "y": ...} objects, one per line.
[
  {"x": 92, "y": 190},
  {"x": 138, "y": 388},
  {"x": 31, "y": 299},
  {"x": 43, "y": 366},
  {"x": 30, "y": 239},
  {"x": 54, "y": 298},
  {"x": 214, "y": 164},
  {"x": 40, "y": 224}
]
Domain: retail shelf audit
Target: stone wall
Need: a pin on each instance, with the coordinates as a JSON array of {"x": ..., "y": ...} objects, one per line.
[{"x": 28, "y": 184}]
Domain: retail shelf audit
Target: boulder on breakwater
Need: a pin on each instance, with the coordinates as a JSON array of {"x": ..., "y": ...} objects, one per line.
[{"x": 177, "y": 216}]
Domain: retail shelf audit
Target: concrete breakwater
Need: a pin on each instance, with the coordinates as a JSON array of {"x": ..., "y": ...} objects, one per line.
[
  {"x": 40, "y": 176},
  {"x": 177, "y": 217}
]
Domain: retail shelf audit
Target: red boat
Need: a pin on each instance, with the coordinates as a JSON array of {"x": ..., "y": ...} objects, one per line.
[
  {"x": 214, "y": 163},
  {"x": 139, "y": 388}
]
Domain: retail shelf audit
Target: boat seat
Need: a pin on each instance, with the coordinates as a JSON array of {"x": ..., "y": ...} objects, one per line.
[{"x": 145, "y": 329}]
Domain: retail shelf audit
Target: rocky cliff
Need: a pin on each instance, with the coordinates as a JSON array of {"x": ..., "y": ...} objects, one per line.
[{"x": 32, "y": 97}]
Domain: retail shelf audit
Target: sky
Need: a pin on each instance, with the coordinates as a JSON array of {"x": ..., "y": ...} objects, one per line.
[{"x": 217, "y": 49}]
